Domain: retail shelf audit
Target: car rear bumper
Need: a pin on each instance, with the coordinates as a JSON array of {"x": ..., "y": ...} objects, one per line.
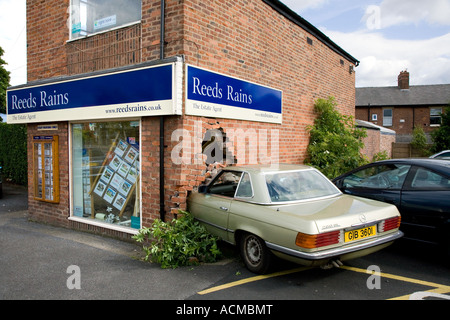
[{"x": 335, "y": 252}]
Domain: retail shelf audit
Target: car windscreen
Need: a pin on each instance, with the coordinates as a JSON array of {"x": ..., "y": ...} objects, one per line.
[{"x": 299, "y": 185}]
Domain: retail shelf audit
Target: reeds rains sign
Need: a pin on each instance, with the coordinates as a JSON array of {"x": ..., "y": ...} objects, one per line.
[
  {"x": 211, "y": 94},
  {"x": 146, "y": 91}
]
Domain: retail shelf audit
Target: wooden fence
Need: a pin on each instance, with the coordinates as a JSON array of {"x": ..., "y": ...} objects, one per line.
[{"x": 405, "y": 150}]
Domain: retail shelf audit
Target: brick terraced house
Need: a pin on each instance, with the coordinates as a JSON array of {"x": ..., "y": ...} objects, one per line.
[
  {"x": 403, "y": 107},
  {"x": 130, "y": 103}
]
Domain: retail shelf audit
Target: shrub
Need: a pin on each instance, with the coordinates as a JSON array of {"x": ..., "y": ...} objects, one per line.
[
  {"x": 13, "y": 152},
  {"x": 441, "y": 136},
  {"x": 419, "y": 141},
  {"x": 180, "y": 242},
  {"x": 335, "y": 141},
  {"x": 382, "y": 155}
]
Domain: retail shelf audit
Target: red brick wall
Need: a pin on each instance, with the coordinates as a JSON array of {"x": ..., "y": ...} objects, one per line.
[
  {"x": 371, "y": 143},
  {"x": 386, "y": 142},
  {"x": 249, "y": 40},
  {"x": 245, "y": 39},
  {"x": 47, "y": 33},
  {"x": 377, "y": 141},
  {"x": 404, "y": 119}
]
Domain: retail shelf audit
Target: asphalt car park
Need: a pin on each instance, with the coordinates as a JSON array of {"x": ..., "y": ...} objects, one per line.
[
  {"x": 404, "y": 274},
  {"x": 35, "y": 258}
]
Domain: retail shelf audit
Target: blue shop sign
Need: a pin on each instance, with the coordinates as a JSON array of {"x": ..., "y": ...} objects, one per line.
[
  {"x": 146, "y": 91},
  {"x": 211, "y": 94}
]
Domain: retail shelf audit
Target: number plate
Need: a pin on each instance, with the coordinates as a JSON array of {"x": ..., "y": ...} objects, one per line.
[{"x": 360, "y": 234}]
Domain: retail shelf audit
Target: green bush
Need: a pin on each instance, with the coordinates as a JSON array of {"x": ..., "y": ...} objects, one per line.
[
  {"x": 13, "y": 153},
  {"x": 180, "y": 242},
  {"x": 335, "y": 141},
  {"x": 441, "y": 136},
  {"x": 382, "y": 155},
  {"x": 419, "y": 142}
]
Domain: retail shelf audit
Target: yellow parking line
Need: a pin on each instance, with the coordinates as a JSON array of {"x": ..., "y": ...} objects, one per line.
[
  {"x": 438, "y": 288},
  {"x": 253, "y": 279},
  {"x": 400, "y": 278}
]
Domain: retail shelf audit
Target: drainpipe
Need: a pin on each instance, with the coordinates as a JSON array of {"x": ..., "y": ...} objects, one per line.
[
  {"x": 163, "y": 29},
  {"x": 161, "y": 126}
]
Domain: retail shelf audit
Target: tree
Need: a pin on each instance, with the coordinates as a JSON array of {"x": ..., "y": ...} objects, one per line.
[
  {"x": 441, "y": 136},
  {"x": 13, "y": 138},
  {"x": 419, "y": 142},
  {"x": 4, "y": 83},
  {"x": 335, "y": 141}
]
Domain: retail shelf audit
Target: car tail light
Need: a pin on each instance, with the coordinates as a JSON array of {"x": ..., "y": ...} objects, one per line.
[
  {"x": 389, "y": 224},
  {"x": 311, "y": 241}
]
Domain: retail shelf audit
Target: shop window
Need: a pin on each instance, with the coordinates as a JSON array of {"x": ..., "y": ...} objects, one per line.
[
  {"x": 106, "y": 172},
  {"x": 435, "y": 116},
  {"x": 92, "y": 16}
]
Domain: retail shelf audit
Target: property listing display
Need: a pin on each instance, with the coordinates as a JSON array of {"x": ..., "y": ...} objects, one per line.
[
  {"x": 46, "y": 168},
  {"x": 106, "y": 172}
]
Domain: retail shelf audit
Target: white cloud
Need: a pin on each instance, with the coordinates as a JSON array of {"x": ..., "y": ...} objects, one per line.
[
  {"x": 382, "y": 52},
  {"x": 13, "y": 38},
  {"x": 382, "y": 59},
  {"x": 396, "y": 12}
]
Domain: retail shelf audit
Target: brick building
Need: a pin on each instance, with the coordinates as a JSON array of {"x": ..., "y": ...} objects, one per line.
[
  {"x": 126, "y": 106},
  {"x": 404, "y": 107},
  {"x": 379, "y": 139}
]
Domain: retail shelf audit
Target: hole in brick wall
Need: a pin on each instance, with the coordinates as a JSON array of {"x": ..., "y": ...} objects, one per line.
[{"x": 214, "y": 146}]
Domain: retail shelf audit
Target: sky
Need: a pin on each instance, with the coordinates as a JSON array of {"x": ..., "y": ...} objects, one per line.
[{"x": 386, "y": 36}]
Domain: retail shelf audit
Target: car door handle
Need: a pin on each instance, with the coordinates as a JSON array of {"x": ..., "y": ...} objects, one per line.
[{"x": 224, "y": 208}]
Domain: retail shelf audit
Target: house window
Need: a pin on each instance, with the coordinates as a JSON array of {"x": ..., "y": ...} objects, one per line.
[
  {"x": 91, "y": 16},
  {"x": 435, "y": 116},
  {"x": 387, "y": 118}
]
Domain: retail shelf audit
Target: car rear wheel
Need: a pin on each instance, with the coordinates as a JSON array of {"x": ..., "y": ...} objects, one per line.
[{"x": 257, "y": 257}]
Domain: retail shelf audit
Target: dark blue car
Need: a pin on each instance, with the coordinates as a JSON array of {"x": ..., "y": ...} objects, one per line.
[{"x": 420, "y": 188}]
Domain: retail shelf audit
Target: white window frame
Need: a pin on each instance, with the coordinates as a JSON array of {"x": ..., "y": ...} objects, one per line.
[
  {"x": 94, "y": 222},
  {"x": 433, "y": 115},
  {"x": 78, "y": 21},
  {"x": 388, "y": 121}
]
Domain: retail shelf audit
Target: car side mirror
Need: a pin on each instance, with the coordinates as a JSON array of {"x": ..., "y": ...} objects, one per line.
[
  {"x": 338, "y": 183},
  {"x": 202, "y": 188}
]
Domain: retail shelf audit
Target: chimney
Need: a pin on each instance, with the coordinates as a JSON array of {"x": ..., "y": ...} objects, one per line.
[{"x": 403, "y": 80}]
